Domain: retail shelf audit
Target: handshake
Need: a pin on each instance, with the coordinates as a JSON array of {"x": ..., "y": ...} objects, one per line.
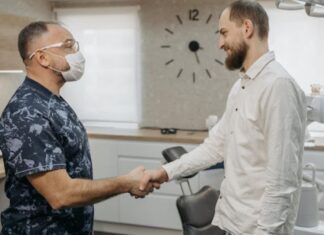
[{"x": 141, "y": 182}]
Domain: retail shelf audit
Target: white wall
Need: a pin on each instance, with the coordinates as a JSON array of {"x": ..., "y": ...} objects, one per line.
[
  {"x": 297, "y": 40},
  {"x": 168, "y": 101},
  {"x": 36, "y": 9}
]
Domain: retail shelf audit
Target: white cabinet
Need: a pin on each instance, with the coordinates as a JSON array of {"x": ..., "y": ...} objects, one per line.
[
  {"x": 105, "y": 165},
  {"x": 117, "y": 157},
  {"x": 316, "y": 157}
]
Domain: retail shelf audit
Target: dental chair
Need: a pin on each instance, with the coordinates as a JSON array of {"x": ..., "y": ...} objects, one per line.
[{"x": 196, "y": 210}]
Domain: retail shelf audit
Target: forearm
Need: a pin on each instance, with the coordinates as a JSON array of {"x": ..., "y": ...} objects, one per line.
[
  {"x": 205, "y": 155},
  {"x": 61, "y": 191},
  {"x": 284, "y": 129},
  {"x": 280, "y": 199},
  {"x": 200, "y": 158},
  {"x": 82, "y": 192}
]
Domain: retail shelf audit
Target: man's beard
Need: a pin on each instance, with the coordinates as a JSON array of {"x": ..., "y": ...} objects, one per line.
[{"x": 235, "y": 60}]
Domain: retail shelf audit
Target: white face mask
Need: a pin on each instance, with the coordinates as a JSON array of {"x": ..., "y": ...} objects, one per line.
[{"x": 76, "y": 62}]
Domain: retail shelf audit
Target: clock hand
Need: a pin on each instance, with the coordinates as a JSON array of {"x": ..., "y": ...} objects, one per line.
[
  {"x": 197, "y": 58},
  {"x": 194, "y": 47}
]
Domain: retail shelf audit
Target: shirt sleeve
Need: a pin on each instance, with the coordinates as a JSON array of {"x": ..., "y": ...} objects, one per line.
[
  {"x": 205, "y": 155},
  {"x": 33, "y": 146},
  {"x": 284, "y": 129}
]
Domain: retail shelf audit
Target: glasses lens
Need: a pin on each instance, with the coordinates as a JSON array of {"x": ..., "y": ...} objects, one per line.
[
  {"x": 76, "y": 46},
  {"x": 71, "y": 44}
]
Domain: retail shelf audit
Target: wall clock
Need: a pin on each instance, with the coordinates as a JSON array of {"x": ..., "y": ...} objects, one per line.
[{"x": 189, "y": 39}]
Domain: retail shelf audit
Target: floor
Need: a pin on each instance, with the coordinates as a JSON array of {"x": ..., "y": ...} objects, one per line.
[{"x": 101, "y": 233}]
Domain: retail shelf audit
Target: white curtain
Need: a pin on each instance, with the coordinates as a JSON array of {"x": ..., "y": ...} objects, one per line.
[{"x": 109, "y": 90}]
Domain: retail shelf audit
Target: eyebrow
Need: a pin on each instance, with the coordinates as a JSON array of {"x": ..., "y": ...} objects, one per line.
[{"x": 222, "y": 31}]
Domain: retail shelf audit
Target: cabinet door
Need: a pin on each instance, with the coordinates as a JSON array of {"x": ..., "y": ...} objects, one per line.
[
  {"x": 104, "y": 161},
  {"x": 316, "y": 157},
  {"x": 159, "y": 208},
  {"x": 116, "y": 157},
  {"x": 155, "y": 210},
  {"x": 150, "y": 156}
]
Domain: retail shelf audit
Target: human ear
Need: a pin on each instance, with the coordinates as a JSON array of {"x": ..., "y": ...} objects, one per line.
[
  {"x": 248, "y": 28},
  {"x": 42, "y": 58}
]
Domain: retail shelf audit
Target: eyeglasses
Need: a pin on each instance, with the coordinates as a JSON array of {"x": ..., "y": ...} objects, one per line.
[
  {"x": 68, "y": 44},
  {"x": 167, "y": 131}
]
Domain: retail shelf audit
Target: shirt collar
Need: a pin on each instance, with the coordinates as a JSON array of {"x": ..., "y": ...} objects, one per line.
[
  {"x": 37, "y": 86},
  {"x": 258, "y": 66}
]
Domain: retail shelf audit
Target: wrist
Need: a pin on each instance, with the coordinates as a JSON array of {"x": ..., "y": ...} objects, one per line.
[
  {"x": 164, "y": 175},
  {"x": 125, "y": 184}
]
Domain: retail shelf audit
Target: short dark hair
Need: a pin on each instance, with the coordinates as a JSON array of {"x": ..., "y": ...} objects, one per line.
[
  {"x": 252, "y": 10},
  {"x": 30, "y": 32}
]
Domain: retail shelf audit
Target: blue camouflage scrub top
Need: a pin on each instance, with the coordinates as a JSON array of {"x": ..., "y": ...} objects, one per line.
[{"x": 40, "y": 132}]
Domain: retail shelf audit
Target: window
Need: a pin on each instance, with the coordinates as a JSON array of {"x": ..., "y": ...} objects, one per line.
[{"x": 109, "y": 89}]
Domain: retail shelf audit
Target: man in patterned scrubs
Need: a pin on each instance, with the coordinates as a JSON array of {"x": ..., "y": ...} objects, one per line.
[{"x": 45, "y": 146}]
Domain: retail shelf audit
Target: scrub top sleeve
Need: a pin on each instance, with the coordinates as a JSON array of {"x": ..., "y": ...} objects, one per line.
[{"x": 37, "y": 148}]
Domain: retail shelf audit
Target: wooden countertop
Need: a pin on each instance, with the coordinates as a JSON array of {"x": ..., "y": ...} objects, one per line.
[
  {"x": 314, "y": 147},
  {"x": 188, "y": 137}
]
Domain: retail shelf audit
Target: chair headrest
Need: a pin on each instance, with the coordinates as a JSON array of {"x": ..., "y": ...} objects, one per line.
[
  {"x": 198, "y": 209},
  {"x": 174, "y": 153}
]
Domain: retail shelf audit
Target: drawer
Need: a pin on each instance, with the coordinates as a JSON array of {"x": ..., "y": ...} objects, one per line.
[
  {"x": 146, "y": 149},
  {"x": 107, "y": 210},
  {"x": 154, "y": 210},
  {"x": 104, "y": 158}
]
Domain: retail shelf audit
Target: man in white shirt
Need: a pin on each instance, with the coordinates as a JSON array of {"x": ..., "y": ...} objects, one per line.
[{"x": 260, "y": 136}]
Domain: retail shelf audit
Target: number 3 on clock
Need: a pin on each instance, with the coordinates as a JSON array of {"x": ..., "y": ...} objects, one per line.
[{"x": 193, "y": 14}]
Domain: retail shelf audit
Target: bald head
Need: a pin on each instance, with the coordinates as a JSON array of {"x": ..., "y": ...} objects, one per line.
[
  {"x": 40, "y": 34},
  {"x": 29, "y": 34}
]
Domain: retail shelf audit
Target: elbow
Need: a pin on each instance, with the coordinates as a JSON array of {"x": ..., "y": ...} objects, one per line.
[
  {"x": 63, "y": 198},
  {"x": 56, "y": 205},
  {"x": 57, "y": 201}
]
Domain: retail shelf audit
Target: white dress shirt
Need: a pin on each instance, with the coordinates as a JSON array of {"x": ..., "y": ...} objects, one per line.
[{"x": 260, "y": 138}]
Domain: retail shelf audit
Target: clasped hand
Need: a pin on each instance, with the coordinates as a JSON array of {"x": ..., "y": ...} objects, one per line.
[{"x": 142, "y": 182}]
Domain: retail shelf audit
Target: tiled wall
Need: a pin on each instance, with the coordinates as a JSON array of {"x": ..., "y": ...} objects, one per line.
[
  {"x": 170, "y": 100},
  {"x": 14, "y": 15}
]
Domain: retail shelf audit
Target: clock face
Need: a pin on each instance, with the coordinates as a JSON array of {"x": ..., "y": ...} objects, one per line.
[{"x": 188, "y": 44}]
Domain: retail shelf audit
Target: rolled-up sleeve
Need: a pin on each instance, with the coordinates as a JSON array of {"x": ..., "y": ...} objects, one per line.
[
  {"x": 284, "y": 129},
  {"x": 207, "y": 154}
]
